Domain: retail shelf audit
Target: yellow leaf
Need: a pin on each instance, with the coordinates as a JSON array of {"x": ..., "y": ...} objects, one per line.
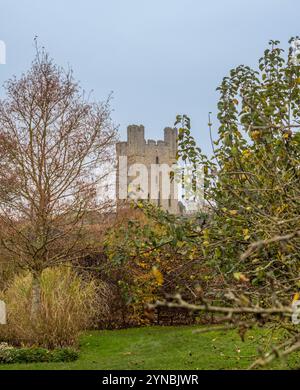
[
  {"x": 240, "y": 277},
  {"x": 158, "y": 275},
  {"x": 246, "y": 152},
  {"x": 246, "y": 234},
  {"x": 255, "y": 134},
  {"x": 142, "y": 264},
  {"x": 233, "y": 212},
  {"x": 296, "y": 297},
  {"x": 206, "y": 233}
]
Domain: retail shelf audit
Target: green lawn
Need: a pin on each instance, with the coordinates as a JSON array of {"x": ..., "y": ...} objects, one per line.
[{"x": 162, "y": 348}]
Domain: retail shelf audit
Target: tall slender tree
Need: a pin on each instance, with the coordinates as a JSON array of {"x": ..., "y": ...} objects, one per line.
[{"x": 56, "y": 147}]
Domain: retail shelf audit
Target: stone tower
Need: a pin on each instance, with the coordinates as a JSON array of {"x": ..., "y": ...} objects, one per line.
[{"x": 149, "y": 160}]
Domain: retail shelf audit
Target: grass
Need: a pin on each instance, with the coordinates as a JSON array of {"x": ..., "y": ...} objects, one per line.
[{"x": 163, "y": 348}]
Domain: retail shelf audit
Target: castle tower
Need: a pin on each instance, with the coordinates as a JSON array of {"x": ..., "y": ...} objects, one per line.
[{"x": 143, "y": 168}]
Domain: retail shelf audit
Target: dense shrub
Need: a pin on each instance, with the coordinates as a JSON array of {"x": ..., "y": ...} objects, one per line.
[
  {"x": 150, "y": 255},
  {"x": 11, "y": 355},
  {"x": 68, "y": 305}
]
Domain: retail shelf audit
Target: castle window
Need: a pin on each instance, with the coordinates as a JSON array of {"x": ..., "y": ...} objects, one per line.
[
  {"x": 157, "y": 160},
  {"x": 158, "y": 201}
]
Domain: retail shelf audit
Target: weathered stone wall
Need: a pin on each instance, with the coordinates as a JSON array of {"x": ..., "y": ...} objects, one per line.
[{"x": 140, "y": 151}]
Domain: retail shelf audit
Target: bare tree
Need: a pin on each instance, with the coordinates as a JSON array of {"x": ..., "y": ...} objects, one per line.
[{"x": 56, "y": 147}]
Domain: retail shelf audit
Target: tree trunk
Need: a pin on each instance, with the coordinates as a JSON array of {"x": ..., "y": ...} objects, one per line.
[{"x": 36, "y": 294}]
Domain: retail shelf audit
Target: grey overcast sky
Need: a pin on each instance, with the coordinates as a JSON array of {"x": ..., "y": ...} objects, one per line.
[{"x": 159, "y": 57}]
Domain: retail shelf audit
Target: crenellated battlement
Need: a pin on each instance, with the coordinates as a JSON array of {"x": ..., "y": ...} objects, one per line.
[{"x": 136, "y": 143}]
